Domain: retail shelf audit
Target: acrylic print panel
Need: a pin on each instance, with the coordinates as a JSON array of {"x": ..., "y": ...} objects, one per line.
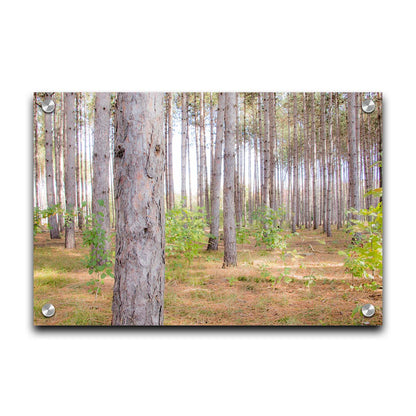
[{"x": 200, "y": 209}]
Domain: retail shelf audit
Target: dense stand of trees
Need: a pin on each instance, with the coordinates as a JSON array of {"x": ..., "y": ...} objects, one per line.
[{"x": 310, "y": 156}]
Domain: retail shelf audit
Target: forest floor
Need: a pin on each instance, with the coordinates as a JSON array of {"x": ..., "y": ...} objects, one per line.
[{"x": 263, "y": 289}]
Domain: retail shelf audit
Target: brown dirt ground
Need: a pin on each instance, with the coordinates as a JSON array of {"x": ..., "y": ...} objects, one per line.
[{"x": 207, "y": 294}]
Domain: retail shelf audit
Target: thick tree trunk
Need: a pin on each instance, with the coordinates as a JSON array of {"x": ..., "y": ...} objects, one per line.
[
  {"x": 101, "y": 168},
  {"x": 70, "y": 185},
  {"x": 230, "y": 244},
  {"x": 139, "y": 172},
  {"x": 216, "y": 177},
  {"x": 50, "y": 177}
]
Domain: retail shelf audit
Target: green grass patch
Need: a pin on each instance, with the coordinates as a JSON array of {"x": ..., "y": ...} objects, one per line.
[{"x": 50, "y": 278}]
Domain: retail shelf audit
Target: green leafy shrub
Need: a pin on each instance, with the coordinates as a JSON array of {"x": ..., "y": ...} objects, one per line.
[
  {"x": 99, "y": 262},
  {"x": 243, "y": 235},
  {"x": 184, "y": 232},
  {"x": 309, "y": 280},
  {"x": 364, "y": 258},
  {"x": 39, "y": 214},
  {"x": 267, "y": 232}
]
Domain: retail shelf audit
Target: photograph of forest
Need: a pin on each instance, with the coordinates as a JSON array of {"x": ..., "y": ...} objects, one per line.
[{"x": 207, "y": 208}]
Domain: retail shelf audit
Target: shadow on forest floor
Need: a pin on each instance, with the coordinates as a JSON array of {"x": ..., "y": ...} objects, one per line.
[{"x": 263, "y": 289}]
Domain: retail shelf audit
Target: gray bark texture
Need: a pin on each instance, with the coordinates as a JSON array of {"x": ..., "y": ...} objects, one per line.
[
  {"x": 353, "y": 163},
  {"x": 295, "y": 218},
  {"x": 35, "y": 153},
  {"x": 49, "y": 171},
  {"x": 171, "y": 195},
  {"x": 230, "y": 243},
  {"x": 78, "y": 162},
  {"x": 101, "y": 167},
  {"x": 70, "y": 185},
  {"x": 58, "y": 161},
  {"x": 272, "y": 140},
  {"x": 183, "y": 147},
  {"x": 266, "y": 151},
  {"x": 216, "y": 176},
  {"x": 314, "y": 185},
  {"x": 329, "y": 169},
  {"x": 140, "y": 219}
]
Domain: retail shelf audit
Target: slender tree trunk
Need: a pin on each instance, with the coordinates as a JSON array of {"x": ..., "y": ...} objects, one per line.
[
  {"x": 340, "y": 216},
  {"x": 250, "y": 188},
  {"x": 50, "y": 177},
  {"x": 70, "y": 184},
  {"x": 204, "y": 158},
  {"x": 243, "y": 172},
  {"x": 78, "y": 162},
  {"x": 295, "y": 165},
  {"x": 324, "y": 166},
  {"x": 139, "y": 272},
  {"x": 380, "y": 140},
  {"x": 263, "y": 197},
  {"x": 266, "y": 151},
  {"x": 171, "y": 195},
  {"x": 289, "y": 165},
  {"x": 85, "y": 160},
  {"x": 314, "y": 186},
  {"x": 256, "y": 166},
  {"x": 237, "y": 174},
  {"x": 216, "y": 176},
  {"x": 36, "y": 153},
  {"x": 353, "y": 162},
  {"x": 272, "y": 128},
  {"x": 307, "y": 162},
  {"x": 91, "y": 145},
  {"x": 211, "y": 134},
  {"x": 188, "y": 153},
  {"x": 101, "y": 168},
  {"x": 58, "y": 161},
  {"x": 367, "y": 162},
  {"x": 230, "y": 244},
  {"x": 183, "y": 147},
  {"x": 329, "y": 185},
  {"x": 165, "y": 130}
]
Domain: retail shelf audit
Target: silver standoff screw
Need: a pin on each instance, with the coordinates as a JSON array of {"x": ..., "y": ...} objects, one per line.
[
  {"x": 48, "y": 310},
  {"x": 368, "y": 106},
  {"x": 48, "y": 105},
  {"x": 368, "y": 310}
]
